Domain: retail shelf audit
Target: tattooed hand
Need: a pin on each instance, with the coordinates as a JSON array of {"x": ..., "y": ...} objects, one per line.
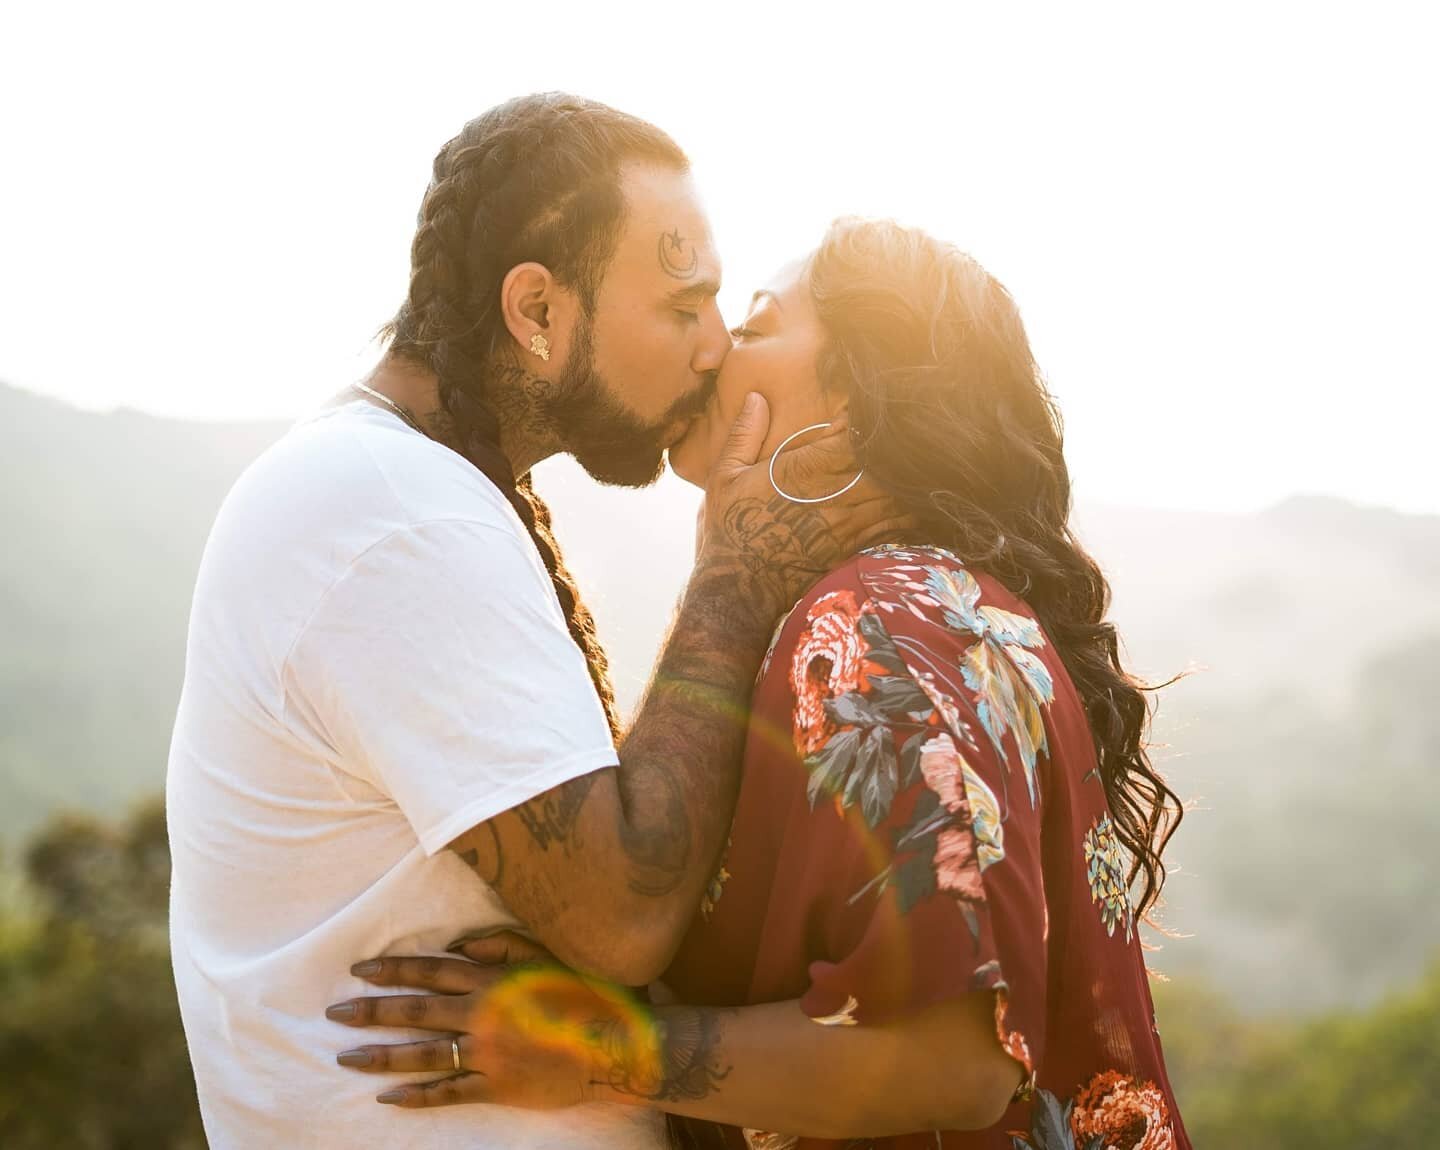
[
  {"x": 528, "y": 1032},
  {"x": 773, "y": 548}
]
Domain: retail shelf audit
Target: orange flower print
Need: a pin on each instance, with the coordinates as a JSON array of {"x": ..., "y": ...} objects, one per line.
[
  {"x": 940, "y": 764},
  {"x": 829, "y": 660},
  {"x": 945, "y": 709},
  {"x": 956, "y": 867},
  {"x": 1123, "y": 1112},
  {"x": 964, "y": 793},
  {"x": 765, "y": 1140},
  {"x": 1014, "y": 1044}
]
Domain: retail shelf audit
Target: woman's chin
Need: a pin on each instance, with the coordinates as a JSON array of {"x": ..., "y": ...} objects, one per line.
[{"x": 685, "y": 462}]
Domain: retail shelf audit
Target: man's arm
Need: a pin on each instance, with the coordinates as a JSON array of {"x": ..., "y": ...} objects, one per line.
[{"x": 606, "y": 870}]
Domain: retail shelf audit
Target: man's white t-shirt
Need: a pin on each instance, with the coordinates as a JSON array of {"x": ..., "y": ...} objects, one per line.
[{"x": 376, "y": 663}]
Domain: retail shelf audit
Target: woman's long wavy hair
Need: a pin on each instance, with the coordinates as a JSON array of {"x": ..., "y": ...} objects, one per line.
[
  {"x": 537, "y": 178},
  {"x": 953, "y": 418}
]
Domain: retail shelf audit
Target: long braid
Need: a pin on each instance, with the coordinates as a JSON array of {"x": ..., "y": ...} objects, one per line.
[
  {"x": 577, "y": 615},
  {"x": 534, "y": 179}
]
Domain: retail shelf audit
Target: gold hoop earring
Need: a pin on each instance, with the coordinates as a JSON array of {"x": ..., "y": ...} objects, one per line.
[
  {"x": 795, "y": 498},
  {"x": 540, "y": 346}
]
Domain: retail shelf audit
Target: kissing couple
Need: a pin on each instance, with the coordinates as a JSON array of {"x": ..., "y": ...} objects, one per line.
[{"x": 867, "y": 866}]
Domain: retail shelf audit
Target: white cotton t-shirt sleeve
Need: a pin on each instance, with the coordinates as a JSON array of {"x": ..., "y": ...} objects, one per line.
[{"x": 439, "y": 667}]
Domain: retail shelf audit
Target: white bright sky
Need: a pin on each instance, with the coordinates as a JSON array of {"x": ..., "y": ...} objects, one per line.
[{"x": 1220, "y": 222}]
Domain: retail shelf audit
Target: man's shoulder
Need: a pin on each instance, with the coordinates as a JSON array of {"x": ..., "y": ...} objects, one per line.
[
  {"x": 355, "y": 469},
  {"x": 334, "y": 490}
]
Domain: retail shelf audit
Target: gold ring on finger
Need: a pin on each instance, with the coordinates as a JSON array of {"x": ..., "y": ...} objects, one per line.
[{"x": 455, "y": 1052}]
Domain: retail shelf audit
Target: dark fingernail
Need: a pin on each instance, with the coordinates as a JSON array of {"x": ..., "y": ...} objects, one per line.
[
  {"x": 390, "y": 1097},
  {"x": 366, "y": 969},
  {"x": 354, "y": 1058},
  {"x": 342, "y": 1013}
]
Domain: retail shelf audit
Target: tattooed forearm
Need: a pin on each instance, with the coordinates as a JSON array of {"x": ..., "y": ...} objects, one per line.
[
  {"x": 681, "y": 1061},
  {"x": 772, "y": 561},
  {"x": 682, "y": 755},
  {"x": 657, "y": 840},
  {"x": 690, "y": 1056},
  {"x": 696, "y": 710}
]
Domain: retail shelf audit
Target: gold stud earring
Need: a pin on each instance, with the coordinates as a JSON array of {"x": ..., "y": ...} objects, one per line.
[{"x": 540, "y": 346}]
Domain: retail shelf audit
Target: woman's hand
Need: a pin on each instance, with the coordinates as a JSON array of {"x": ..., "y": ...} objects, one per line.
[
  {"x": 536, "y": 1034},
  {"x": 516, "y": 1027}
]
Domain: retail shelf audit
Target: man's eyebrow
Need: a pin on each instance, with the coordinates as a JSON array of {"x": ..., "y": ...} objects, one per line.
[{"x": 698, "y": 292}]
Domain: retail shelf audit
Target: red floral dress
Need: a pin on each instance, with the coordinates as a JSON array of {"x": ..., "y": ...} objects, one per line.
[{"x": 921, "y": 817}]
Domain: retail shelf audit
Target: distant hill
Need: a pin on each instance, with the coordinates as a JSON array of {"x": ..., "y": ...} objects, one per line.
[
  {"x": 1307, "y": 732},
  {"x": 103, "y": 518},
  {"x": 1286, "y": 599}
]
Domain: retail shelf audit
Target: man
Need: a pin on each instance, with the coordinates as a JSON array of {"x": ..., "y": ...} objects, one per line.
[{"x": 396, "y": 724}]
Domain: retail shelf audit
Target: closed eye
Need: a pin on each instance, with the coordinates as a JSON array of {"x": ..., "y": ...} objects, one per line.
[{"x": 739, "y": 333}]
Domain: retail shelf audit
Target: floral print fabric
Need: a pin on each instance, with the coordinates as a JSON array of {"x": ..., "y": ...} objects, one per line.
[
  {"x": 921, "y": 818},
  {"x": 1112, "y": 1111}
]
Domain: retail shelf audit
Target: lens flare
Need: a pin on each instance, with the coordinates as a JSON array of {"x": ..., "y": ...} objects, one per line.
[{"x": 557, "y": 1010}]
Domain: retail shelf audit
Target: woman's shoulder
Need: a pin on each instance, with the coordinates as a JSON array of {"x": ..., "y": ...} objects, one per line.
[
  {"x": 924, "y": 591},
  {"x": 894, "y": 568},
  {"x": 930, "y": 582},
  {"x": 886, "y": 570}
]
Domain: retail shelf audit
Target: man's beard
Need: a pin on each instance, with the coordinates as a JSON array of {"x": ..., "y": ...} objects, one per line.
[{"x": 610, "y": 442}]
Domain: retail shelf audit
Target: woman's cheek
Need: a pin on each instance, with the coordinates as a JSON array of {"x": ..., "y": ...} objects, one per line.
[{"x": 694, "y": 457}]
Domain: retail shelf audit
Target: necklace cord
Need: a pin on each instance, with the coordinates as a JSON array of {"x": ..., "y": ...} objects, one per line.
[{"x": 399, "y": 409}]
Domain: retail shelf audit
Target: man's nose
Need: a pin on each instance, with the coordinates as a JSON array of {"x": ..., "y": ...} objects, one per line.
[{"x": 714, "y": 343}]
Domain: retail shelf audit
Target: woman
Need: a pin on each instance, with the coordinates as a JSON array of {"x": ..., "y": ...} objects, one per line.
[{"x": 921, "y": 933}]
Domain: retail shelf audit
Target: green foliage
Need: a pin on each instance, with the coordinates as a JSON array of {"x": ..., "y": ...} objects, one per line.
[
  {"x": 92, "y": 1055},
  {"x": 1350, "y": 1079}
]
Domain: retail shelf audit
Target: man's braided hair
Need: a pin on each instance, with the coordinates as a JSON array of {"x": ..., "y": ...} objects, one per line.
[{"x": 535, "y": 179}]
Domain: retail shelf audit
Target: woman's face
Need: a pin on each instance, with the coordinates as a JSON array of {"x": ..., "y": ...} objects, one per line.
[{"x": 774, "y": 352}]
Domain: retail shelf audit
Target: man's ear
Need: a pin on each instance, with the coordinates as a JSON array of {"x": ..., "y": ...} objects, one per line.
[{"x": 533, "y": 303}]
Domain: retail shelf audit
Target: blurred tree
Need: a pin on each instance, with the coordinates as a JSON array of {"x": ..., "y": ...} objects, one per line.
[
  {"x": 1351, "y": 1080},
  {"x": 92, "y": 1055}
]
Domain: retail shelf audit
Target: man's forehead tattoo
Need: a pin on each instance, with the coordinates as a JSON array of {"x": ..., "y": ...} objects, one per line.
[{"x": 679, "y": 257}]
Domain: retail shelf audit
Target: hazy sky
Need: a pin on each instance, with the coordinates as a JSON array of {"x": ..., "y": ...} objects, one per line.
[{"x": 1221, "y": 223}]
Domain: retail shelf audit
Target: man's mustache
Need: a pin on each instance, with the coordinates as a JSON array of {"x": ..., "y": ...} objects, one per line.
[{"x": 692, "y": 405}]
